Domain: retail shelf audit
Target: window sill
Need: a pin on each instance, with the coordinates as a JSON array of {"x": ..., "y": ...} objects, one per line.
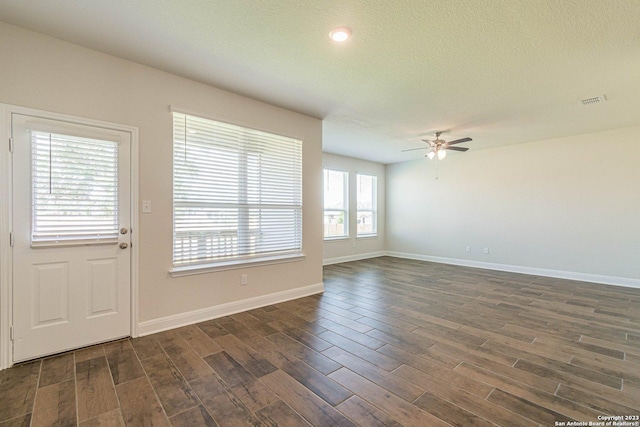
[
  {"x": 336, "y": 239},
  {"x": 191, "y": 270},
  {"x": 367, "y": 236}
]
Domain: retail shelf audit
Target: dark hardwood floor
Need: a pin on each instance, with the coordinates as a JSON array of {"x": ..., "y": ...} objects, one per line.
[{"x": 391, "y": 342}]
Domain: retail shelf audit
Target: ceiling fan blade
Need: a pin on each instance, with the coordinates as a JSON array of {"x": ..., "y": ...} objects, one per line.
[
  {"x": 459, "y": 141},
  {"x": 431, "y": 143},
  {"x": 413, "y": 149},
  {"x": 457, "y": 148}
]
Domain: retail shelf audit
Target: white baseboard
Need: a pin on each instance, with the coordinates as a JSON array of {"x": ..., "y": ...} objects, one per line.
[
  {"x": 195, "y": 316},
  {"x": 560, "y": 274},
  {"x": 188, "y": 318},
  {"x": 356, "y": 257}
]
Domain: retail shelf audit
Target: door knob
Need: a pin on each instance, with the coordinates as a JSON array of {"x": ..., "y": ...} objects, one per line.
[
  {"x": 124, "y": 230},
  {"x": 124, "y": 245}
]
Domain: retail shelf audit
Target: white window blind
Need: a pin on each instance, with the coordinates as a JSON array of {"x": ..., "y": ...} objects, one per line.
[
  {"x": 237, "y": 192},
  {"x": 367, "y": 201},
  {"x": 336, "y": 204},
  {"x": 74, "y": 189}
]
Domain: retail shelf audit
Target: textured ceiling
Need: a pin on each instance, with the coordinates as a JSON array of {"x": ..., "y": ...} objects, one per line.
[{"x": 500, "y": 72}]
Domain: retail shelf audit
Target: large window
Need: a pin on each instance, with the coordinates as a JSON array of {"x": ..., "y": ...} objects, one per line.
[
  {"x": 367, "y": 205},
  {"x": 336, "y": 204},
  {"x": 237, "y": 193}
]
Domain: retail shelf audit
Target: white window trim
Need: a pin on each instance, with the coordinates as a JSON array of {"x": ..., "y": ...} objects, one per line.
[
  {"x": 367, "y": 236},
  {"x": 336, "y": 239},
  {"x": 191, "y": 270},
  {"x": 346, "y": 210},
  {"x": 241, "y": 261},
  {"x": 374, "y": 212}
]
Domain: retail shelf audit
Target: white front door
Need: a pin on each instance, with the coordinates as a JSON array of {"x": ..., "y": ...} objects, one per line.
[{"x": 71, "y": 235}]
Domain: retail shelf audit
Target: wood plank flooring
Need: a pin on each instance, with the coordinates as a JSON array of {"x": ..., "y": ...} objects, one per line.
[{"x": 391, "y": 342}]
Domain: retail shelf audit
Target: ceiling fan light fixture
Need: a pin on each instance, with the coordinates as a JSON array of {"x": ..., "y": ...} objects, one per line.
[
  {"x": 340, "y": 34},
  {"x": 438, "y": 147}
]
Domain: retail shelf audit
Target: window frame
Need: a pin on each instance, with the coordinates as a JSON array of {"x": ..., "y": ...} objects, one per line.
[
  {"x": 242, "y": 257},
  {"x": 345, "y": 204},
  {"x": 374, "y": 205}
]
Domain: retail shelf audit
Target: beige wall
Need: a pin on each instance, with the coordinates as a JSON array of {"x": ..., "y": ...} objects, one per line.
[
  {"x": 352, "y": 248},
  {"x": 44, "y": 73},
  {"x": 569, "y": 204}
]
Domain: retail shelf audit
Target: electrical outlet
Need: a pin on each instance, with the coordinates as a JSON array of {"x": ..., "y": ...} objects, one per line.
[
  {"x": 467, "y": 249},
  {"x": 243, "y": 279},
  {"x": 486, "y": 250},
  {"x": 146, "y": 206}
]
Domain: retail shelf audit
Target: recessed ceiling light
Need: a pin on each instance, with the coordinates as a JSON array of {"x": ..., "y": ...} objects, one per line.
[{"x": 340, "y": 34}]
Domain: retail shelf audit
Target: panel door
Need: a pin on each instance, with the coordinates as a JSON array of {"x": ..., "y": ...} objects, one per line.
[{"x": 71, "y": 226}]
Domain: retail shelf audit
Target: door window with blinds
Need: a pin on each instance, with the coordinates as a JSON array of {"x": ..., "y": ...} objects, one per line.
[
  {"x": 74, "y": 190},
  {"x": 237, "y": 194}
]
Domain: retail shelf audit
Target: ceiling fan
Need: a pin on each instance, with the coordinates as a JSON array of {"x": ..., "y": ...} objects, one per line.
[{"x": 439, "y": 147}]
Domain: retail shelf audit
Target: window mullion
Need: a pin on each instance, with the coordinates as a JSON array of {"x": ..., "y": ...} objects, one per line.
[{"x": 243, "y": 208}]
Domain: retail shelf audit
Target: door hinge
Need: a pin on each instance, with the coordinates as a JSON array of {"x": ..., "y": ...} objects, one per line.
[
  {"x": 11, "y": 239},
  {"x": 11, "y": 145},
  {"x": 11, "y": 333}
]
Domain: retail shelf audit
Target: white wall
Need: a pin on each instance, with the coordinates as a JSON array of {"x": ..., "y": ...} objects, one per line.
[
  {"x": 45, "y": 73},
  {"x": 353, "y": 248},
  {"x": 568, "y": 204}
]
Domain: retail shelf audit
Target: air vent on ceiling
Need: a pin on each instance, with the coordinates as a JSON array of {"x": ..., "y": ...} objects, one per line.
[{"x": 594, "y": 100}]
